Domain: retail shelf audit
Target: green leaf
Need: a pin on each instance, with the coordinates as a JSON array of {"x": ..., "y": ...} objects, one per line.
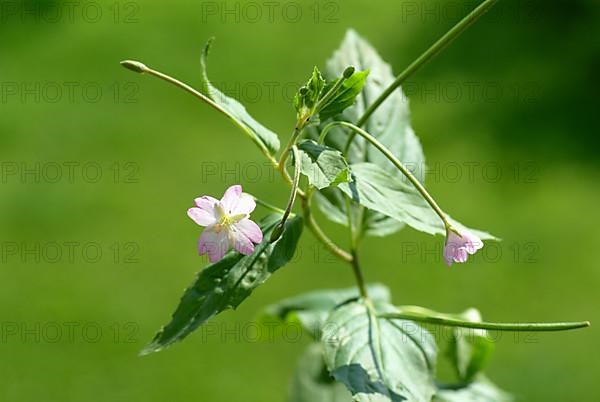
[
  {"x": 226, "y": 284},
  {"x": 307, "y": 97},
  {"x": 480, "y": 390},
  {"x": 310, "y": 310},
  {"x": 469, "y": 349},
  {"x": 324, "y": 166},
  {"x": 379, "y": 359},
  {"x": 380, "y": 191},
  {"x": 345, "y": 96},
  {"x": 312, "y": 382},
  {"x": 390, "y": 124},
  {"x": 263, "y": 137}
]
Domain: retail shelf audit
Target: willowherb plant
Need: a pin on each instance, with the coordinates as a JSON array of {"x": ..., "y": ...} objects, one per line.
[{"x": 351, "y": 141}]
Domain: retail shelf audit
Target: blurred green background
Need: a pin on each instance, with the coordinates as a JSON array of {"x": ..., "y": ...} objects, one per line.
[{"x": 516, "y": 96}]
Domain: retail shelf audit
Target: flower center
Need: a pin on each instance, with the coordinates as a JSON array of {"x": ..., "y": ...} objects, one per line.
[{"x": 227, "y": 220}]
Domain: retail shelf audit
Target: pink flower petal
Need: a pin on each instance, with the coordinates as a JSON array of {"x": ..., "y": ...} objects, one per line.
[
  {"x": 201, "y": 216},
  {"x": 250, "y": 229},
  {"x": 245, "y": 205},
  {"x": 240, "y": 242},
  {"x": 231, "y": 198},
  {"x": 213, "y": 243},
  {"x": 206, "y": 203}
]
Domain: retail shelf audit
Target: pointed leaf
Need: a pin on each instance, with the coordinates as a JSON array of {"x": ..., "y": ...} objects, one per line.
[
  {"x": 226, "y": 284},
  {"x": 262, "y": 136},
  {"x": 377, "y": 190},
  {"x": 345, "y": 96},
  {"x": 390, "y": 124}
]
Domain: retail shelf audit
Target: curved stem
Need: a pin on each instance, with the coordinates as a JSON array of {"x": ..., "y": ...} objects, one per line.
[
  {"x": 321, "y": 236},
  {"x": 429, "y": 54},
  {"x": 455, "y": 322},
  {"x": 142, "y": 68},
  {"x": 311, "y": 223},
  {"x": 396, "y": 163}
]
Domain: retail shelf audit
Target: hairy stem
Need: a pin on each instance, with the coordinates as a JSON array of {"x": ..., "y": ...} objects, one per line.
[{"x": 429, "y": 54}]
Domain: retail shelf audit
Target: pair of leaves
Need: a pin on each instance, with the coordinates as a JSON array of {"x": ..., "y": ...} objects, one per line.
[
  {"x": 226, "y": 284},
  {"x": 259, "y": 134}
]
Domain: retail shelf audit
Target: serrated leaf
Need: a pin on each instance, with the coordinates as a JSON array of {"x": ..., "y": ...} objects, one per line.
[
  {"x": 345, "y": 96},
  {"x": 390, "y": 123},
  {"x": 379, "y": 359},
  {"x": 469, "y": 349},
  {"x": 376, "y": 189},
  {"x": 261, "y": 135},
  {"x": 480, "y": 390},
  {"x": 312, "y": 382},
  {"x": 310, "y": 310},
  {"x": 322, "y": 165},
  {"x": 226, "y": 284}
]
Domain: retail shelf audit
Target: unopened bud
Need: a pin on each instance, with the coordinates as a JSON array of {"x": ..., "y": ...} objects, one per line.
[
  {"x": 348, "y": 72},
  {"x": 134, "y": 66}
]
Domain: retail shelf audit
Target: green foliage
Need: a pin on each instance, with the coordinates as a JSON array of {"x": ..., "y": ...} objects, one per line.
[
  {"x": 312, "y": 382},
  {"x": 379, "y": 359},
  {"x": 344, "y": 96},
  {"x": 390, "y": 124},
  {"x": 310, "y": 310},
  {"x": 324, "y": 166},
  {"x": 308, "y": 96},
  {"x": 469, "y": 349},
  {"x": 365, "y": 344},
  {"x": 387, "y": 194},
  {"x": 227, "y": 283},
  {"x": 259, "y": 134}
]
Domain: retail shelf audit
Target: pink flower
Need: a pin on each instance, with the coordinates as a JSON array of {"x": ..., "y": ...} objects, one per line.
[
  {"x": 459, "y": 246},
  {"x": 227, "y": 223}
]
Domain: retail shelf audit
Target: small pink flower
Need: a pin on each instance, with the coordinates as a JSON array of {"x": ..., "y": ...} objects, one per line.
[
  {"x": 458, "y": 247},
  {"x": 227, "y": 223}
]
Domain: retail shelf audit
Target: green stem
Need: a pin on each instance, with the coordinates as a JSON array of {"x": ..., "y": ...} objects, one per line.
[
  {"x": 269, "y": 206},
  {"x": 454, "y": 322},
  {"x": 142, "y": 68},
  {"x": 321, "y": 236},
  {"x": 288, "y": 210},
  {"x": 429, "y": 54},
  {"x": 360, "y": 281},
  {"x": 286, "y": 151},
  {"x": 396, "y": 163}
]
